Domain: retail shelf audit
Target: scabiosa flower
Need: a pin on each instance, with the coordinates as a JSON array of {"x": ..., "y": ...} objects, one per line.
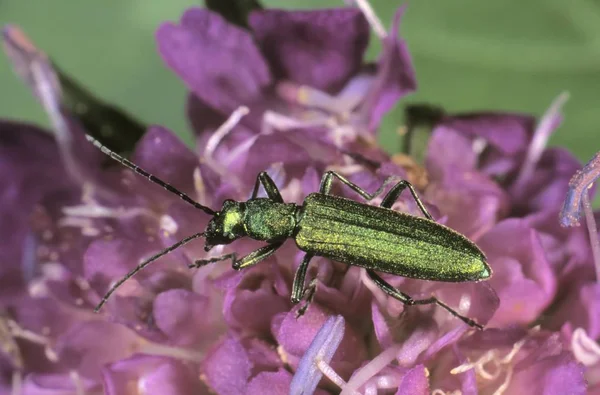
[{"x": 287, "y": 93}]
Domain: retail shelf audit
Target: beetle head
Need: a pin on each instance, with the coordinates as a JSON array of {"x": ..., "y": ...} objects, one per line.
[{"x": 226, "y": 225}]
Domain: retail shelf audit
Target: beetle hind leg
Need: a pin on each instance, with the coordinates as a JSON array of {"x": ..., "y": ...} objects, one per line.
[{"x": 409, "y": 301}]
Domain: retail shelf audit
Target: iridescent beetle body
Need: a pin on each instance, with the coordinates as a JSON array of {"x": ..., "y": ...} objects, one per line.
[{"x": 375, "y": 238}]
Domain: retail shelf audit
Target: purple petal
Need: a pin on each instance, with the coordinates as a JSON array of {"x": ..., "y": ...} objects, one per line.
[
  {"x": 227, "y": 368},
  {"x": 84, "y": 347},
  {"x": 236, "y": 72},
  {"x": 508, "y": 133},
  {"x": 58, "y": 384},
  {"x": 322, "y": 348},
  {"x": 522, "y": 276},
  {"x": 162, "y": 154},
  {"x": 548, "y": 184},
  {"x": 270, "y": 382},
  {"x": 149, "y": 374},
  {"x": 580, "y": 307},
  {"x": 395, "y": 76},
  {"x": 296, "y": 335},
  {"x": 37, "y": 71},
  {"x": 414, "y": 382},
  {"x": 32, "y": 174},
  {"x": 549, "y": 374},
  {"x": 183, "y": 316},
  {"x": 449, "y": 148},
  {"x": 561, "y": 245},
  {"x": 470, "y": 199},
  {"x": 250, "y": 306},
  {"x": 307, "y": 47}
]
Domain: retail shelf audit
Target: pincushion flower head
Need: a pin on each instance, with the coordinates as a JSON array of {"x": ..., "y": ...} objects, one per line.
[{"x": 288, "y": 93}]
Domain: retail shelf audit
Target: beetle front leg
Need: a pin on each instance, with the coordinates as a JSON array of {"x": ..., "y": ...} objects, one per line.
[
  {"x": 268, "y": 184},
  {"x": 238, "y": 264},
  {"x": 407, "y": 300},
  {"x": 203, "y": 262}
]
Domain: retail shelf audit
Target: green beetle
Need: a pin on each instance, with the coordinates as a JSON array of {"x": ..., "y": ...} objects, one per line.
[{"x": 376, "y": 238}]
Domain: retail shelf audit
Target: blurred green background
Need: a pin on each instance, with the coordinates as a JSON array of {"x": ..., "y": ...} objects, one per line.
[{"x": 469, "y": 55}]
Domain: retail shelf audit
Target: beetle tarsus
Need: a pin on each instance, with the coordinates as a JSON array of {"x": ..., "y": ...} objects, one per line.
[
  {"x": 203, "y": 262},
  {"x": 409, "y": 301},
  {"x": 308, "y": 294}
]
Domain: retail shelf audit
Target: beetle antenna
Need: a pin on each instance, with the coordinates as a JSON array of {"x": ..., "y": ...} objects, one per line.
[
  {"x": 143, "y": 265},
  {"x": 113, "y": 155}
]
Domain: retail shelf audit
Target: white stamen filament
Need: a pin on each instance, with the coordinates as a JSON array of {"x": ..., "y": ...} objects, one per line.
[
  {"x": 76, "y": 379},
  {"x": 168, "y": 224},
  {"x": 17, "y": 383},
  {"x": 33, "y": 337},
  {"x": 223, "y": 130},
  {"x": 200, "y": 187},
  {"x": 272, "y": 119},
  {"x": 371, "y": 17},
  {"x": 492, "y": 356},
  {"x": 331, "y": 374},
  {"x": 590, "y": 222},
  {"x": 98, "y": 211},
  {"x": 151, "y": 348},
  {"x": 540, "y": 140},
  {"x": 376, "y": 365},
  {"x": 374, "y": 289},
  {"x": 585, "y": 349}
]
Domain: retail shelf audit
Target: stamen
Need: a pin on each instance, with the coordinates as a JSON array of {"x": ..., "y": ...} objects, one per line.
[
  {"x": 185, "y": 354},
  {"x": 168, "y": 224},
  {"x": 216, "y": 138},
  {"x": 492, "y": 356},
  {"x": 272, "y": 119},
  {"x": 505, "y": 383},
  {"x": 371, "y": 17},
  {"x": 34, "y": 67},
  {"x": 321, "y": 349},
  {"x": 97, "y": 211},
  {"x": 76, "y": 379},
  {"x": 8, "y": 345},
  {"x": 541, "y": 135},
  {"x": 376, "y": 365},
  {"x": 579, "y": 184},
  {"x": 223, "y": 130},
  {"x": 33, "y": 337},
  {"x": 331, "y": 374},
  {"x": 585, "y": 349},
  {"x": 17, "y": 383},
  {"x": 199, "y": 186},
  {"x": 577, "y": 200}
]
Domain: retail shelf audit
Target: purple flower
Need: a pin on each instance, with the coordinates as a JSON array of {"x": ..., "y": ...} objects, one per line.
[{"x": 293, "y": 97}]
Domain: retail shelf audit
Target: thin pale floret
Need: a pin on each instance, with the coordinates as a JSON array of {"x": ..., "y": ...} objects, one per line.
[{"x": 322, "y": 349}]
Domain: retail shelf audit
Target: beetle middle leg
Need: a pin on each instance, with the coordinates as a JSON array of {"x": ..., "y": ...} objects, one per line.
[
  {"x": 299, "y": 291},
  {"x": 327, "y": 183},
  {"x": 388, "y": 200},
  {"x": 409, "y": 301},
  {"x": 238, "y": 264}
]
